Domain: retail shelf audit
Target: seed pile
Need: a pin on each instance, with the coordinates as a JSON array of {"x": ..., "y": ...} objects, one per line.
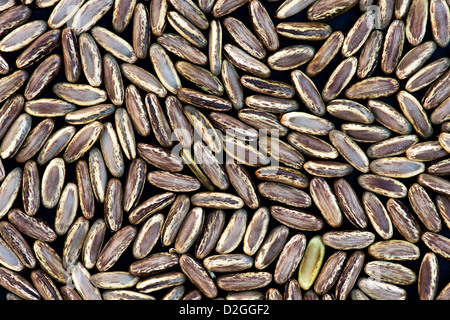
[{"x": 225, "y": 149}]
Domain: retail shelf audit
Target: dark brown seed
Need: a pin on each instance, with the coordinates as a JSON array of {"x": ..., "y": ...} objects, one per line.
[
  {"x": 349, "y": 275},
  {"x": 189, "y": 230},
  {"x": 147, "y": 236},
  {"x": 327, "y": 9},
  {"x": 271, "y": 247},
  {"x": 349, "y": 203},
  {"x": 289, "y": 258},
  {"x": 296, "y": 219},
  {"x": 325, "y": 54},
  {"x": 243, "y": 37},
  {"x": 213, "y": 227},
  {"x": 242, "y": 183},
  {"x": 233, "y": 233},
  {"x": 154, "y": 263},
  {"x": 394, "y": 250},
  {"x": 160, "y": 157},
  {"x": 437, "y": 243},
  {"x": 392, "y": 46},
  {"x": 18, "y": 285},
  {"x": 175, "y": 217},
  {"x": 18, "y": 244},
  {"x": 244, "y": 281},
  {"x": 428, "y": 277},
  {"x": 39, "y": 48},
  {"x": 378, "y": 215},
  {"x": 325, "y": 199},
  {"x": 198, "y": 275},
  {"x": 384, "y": 186},
  {"x": 150, "y": 206},
  {"x": 330, "y": 272}
]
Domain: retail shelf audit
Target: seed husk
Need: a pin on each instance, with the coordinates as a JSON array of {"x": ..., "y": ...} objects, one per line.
[
  {"x": 91, "y": 59},
  {"x": 240, "y": 179},
  {"x": 143, "y": 79},
  {"x": 182, "y": 48},
  {"x": 426, "y": 151}
]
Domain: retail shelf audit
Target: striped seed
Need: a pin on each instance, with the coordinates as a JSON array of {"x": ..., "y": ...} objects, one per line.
[
  {"x": 392, "y": 147},
  {"x": 212, "y": 229},
  {"x": 244, "y": 38},
  {"x": 325, "y": 54},
  {"x": 153, "y": 263},
  {"x": 330, "y": 272},
  {"x": 391, "y": 272},
  {"x": 233, "y": 233},
  {"x": 296, "y": 219},
  {"x": 66, "y": 209},
  {"x": 39, "y": 48},
  {"x": 147, "y": 236},
  {"x": 416, "y": 22},
  {"x": 370, "y": 54},
  {"x": 150, "y": 206},
  {"x": 327, "y": 9},
  {"x": 93, "y": 243},
  {"x": 160, "y": 157},
  {"x": 379, "y": 290},
  {"x": 98, "y": 174},
  {"x": 394, "y": 250},
  {"x": 289, "y": 258},
  {"x": 244, "y": 281},
  {"x": 240, "y": 179},
  {"x": 82, "y": 141},
  {"x": 349, "y": 275},
  {"x": 113, "y": 208},
  {"x": 378, "y": 215},
  {"x": 175, "y": 217},
  {"x": 349, "y": 203},
  {"x": 198, "y": 275},
  {"x": 389, "y": 117},
  {"x": 428, "y": 277},
  {"x": 189, "y": 230},
  {"x": 414, "y": 59},
  {"x": 384, "y": 186},
  {"x": 256, "y": 231}
]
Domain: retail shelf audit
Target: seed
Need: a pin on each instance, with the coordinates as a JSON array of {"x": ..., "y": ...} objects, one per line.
[
  {"x": 35, "y": 140},
  {"x": 158, "y": 10},
  {"x": 82, "y": 141},
  {"x": 416, "y": 22},
  {"x": 385, "y": 186},
  {"x": 439, "y": 12},
  {"x": 324, "y": 168},
  {"x": 147, "y": 236},
  {"x": 82, "y": 281},
  {"x": 45, "y": 286},
  {"x": 198, "y": 275},
  {"x": 379, "y": 290},
  {"x": 159, "y": 157},
  {"x": 326, "y": 9},
  {"x": 349, "y": 275},
  {"x": 424, "y": 207},
  {"x": 31, "y": 226},
  {"x": 114, "y": 44},
  {"x": 289, "y": 258},
  {"x": 9, "y": 112},
  {"x": 91, "y": 59},
  {"x": 175, "y": 217},
  {"x": 397, "y": 167},
  {"x": 349, "y": 203},
  {"x": 284, "y": 194},
  {"x": 330, "y": 272},
  {"x": 428, "y": 277},
  {"x": 182, "y": 48},
  {"x": 437, "y": 243},
  {"x": 437, "y": 92},
  {"x": 153, "y": 263},
  {"x": 113, "y": 209},
  {"x": 292, "y": 290},
  {"x": 359, "y": 33},
  {"x": 350, "y": 111},
  {"x": 39, "y": 48},
  {"x": 291, "y": 57},
  {"x": 187, "y": 29},
  {"x": 9, "y": 258},
  {"x": 372, "y": 88},
  {"x": 426, "y": 151},
  {"x": 18, "y": 285},
  {"x": 52, "y": 182},
  {"x": 312, "y": 146},
  {"x": 215, "y": 47},
  {"x": 232, "y": 85},
  {"x": 189, "y": 230},
  {"x": 244, "y": 61},
  {"x": 161, "y": 281},
  {"x": 176, "y": 293},
  {"x": 311, "y": 263},
  {"x": 93, "y": 243},
  {"x": 392, "y": 147},
  {"x": 291, "y": 7},
  {"x": 212, "y": 229},
  {"x": 50, "y": 262},
  {"x": 283, "y": 175},
  {"x": 306, "y": 123},
  {"x": 141, "y": 31},
  {"x": 113, "y": 280},
  {"x": 11, "y": 83},
  {"x": 150, "y": 206},
  {"x": 233, "y": 233},
  {"x": 13, "y": 17},
  {"x": 389, "y": 117},
  {"x": 242, "y": 183},
  {"x": 158, "y": 121},
  {"x": 349, "y": 150},
  {"x": 392, "y": 46},
  {"x": 427, "y": 74},
  {"x": 414, "y": 59},
  {"x": 370, "y": 54},
  {"x": 115, "y": 247},
  {"x": 244, "y": 281},
  {"x": 15, "y": 240},
  {"x": 20, "y": 37},
  {"x": 297, "y": 219},
  {"x": 263, "y": 121},
  {"x": 15, "y": 136},
  {"x": 244, "y": 38},
  {"x": 66, "y": 209},
  {"x": 325, "y": 54},
  {"x": 434, "y": 183},
  {"x": 271, "y": 247},
  {"x": 223, "y": 7},
  {"x": 203, "y": 100},
  {"x": 201, "y": 77},
  {"x": 394, "y": 250},
  {"x": 256, "y": 231},
  {"x": 326, "y": 201},
  {"x": 281, "y": 151},
  {"x": 378, "y": 215},
  {"x": 391, "y": 272},
  {"x": 73, "y": 243}
]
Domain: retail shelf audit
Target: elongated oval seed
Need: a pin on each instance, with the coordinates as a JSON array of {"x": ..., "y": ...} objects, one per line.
[
  {"x": 175, "y": 217},
  {"x": 150, "y": 206},
  {"x": 397, "y": 167},
  {"x": 243, "y": 37},
  {"x": 22, "y": 36},
  {"x": 15, "y": 136},
  {"x": 39, "y": 48},
  {"x": 93, "y": 243},
  {"x": 147, "y": 236},
  {"x": 18, "y": 244},
  {"x": 391, "y": 272},
  {"x": 394, "y": 250},
  {"x": 114, "y": 44},
  {"x": 189, "y": 230},
  {"x": 198, "y": 275},
  {"x": 82, "y": 141},
  {"x": 243, "y": 281},
  {"x": 289, "y": 258},
  {"x": 213, "y": 227},
  {"x": 385, "y": 186},
  {"x": 379, "y": 290},
  {"x": 233, "y": 233},
  {"x": 326, "y": 9},
  {"x": 311, "y": 262},
  {"x": 290, "y": 57},
  {"x": 330, "y": 272},
  {"x": 372, "y": 88},
  {"x": 348, "y": 240},
  {"x": 50, "y": 261},
  {"x": 325, "y": 54},
  {"x": 35, "y": 140},
  {"x": 439, "y": 19},
  {"x": 241, "y": 181},
  {"x": 437, "y": 243},
  {"x": 284, "y": 194},
  {"x": 306, "y": 123},
  {"x": 18, "y": 285},
  {"x": 66, "y": 209},
  {"x": 370, "y": 54},
  {"x": 349, "y": 203},
  {"x": 349, "y": 150},
  {"x": 392, "y": 46},
  {"x": 349, "y": 275},
  {"x": 52, "y": 182}
]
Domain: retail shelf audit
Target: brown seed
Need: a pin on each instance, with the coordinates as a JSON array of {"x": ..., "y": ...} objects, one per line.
[
  {"x": 389, "y": 117},
  {"x": 31, "y": 226},
  {"x": 440, "y": 114},
  {"x": 263, "y": 121},
  {"x": 18, "y": 285},
  {"x": 348, "y": 240},
  {"x": 66, "y": 209},
  {"x": 202, "y": 78},
  {"x": 9, "y": 112},
  {"x": 256, "y": 231},
  {"x": 187, "y": 29},
  {"x": 115, "y": 247},
  {"x": 394, "y": 250},
  {"x": 379, "y": 290},
  {"x": 13, "y": 17},
  {"x": 437, "y": 92},
  {"x": 416, "y": 21},
  {"x": 36, "y": 138},
  {"x": 93, "y": 243},
  {"x": 215, "y": 47},
  {"x": 384, "y": 186},
  {"x": 427, "y": 74},
  {"x": 233, "y": 233},
  {"x": 113, "y": 80},
  {"x": 189, "y": 160},
  {"x": 297, "y": 219},
  {"x": 161, "y": 281},
  {"x": 154, "y": 263},
  {"x": 158, "y": 121},
  {"x": 79, "y": 94},
  {"x": 325, "y": 168},
  {"x": 414, "y": 59},
  {"x": 189, "y": 230},
  {"x": 159, "y": 157},
  {"x": 181, "y": 127},
  {"x": 349, "y": 275},
  {"x": 330, "y": 272},
  {"x": 157, "y": 15},
  {"x": 326, "y": 9},
  {"x": 11, "y": 83},
  {"x": 392, "y": 46},
  {"x": 325, "y": 199},
  {"x": 198, "y": 275},
  {"x": 242, "y": 183},
  {"x": 244, "y": 61},
  {"x": 243, "y": 37},
  {"x": 266, "y": 86},
  {"x": 150, "y": 206},
  {"x": 283, "y": 175},
  {"x": 391, "y": 272},
  {"x": 18, "y": 244},
  {"x": 39, "y": 48},
  {"x": 378, "y": 215},
  {"x": 182, "y": 48},
  {"x": 173, "y": 181},
  {"x": 349, "y": 150},
  {"x": 372, "y": 88},
  {"x": 42, "y": 76},
  {"x": 434, "y": 183},
  {"x": 50, "y": 262},
  {"x": 423, "y": 206},
  {"x": 91, "y": 59},
  {"x": 113, "y": 208},
  {"x": 289, "y": 258},
  {"x": 52, "y": 182},
  {"x": 439, "y": 19},
  {"x": 82, "y": 141},
  {"x": 89, "y": 114},
  {"x": 349, "y": 203},
  {"x": 397, "y": 167},
  {"x": 437, "y": 243},
  {"x": 312, "y": 146},
  {"x": 392, "y": 147},
  {"x": 203, "y": 100},
  {"x": 426, "y": 151},
  {"x": 164, "y": 68},
  {"x": 359, "y": 33},
  {"x": 350, "y": 111},
  {"x": 325, "y": 54},
  {"x": 306, "y": 123},
  {"x": 143, "y": 79},
  {"x": 73, "y": 243},
  {"x": 370, "y": 54},
  {"x": 428, "y": 277},
  {"x": 213, "y": 227},
  {"x": 271, "y": 247},
  {"x": 284, "y": 194},
  {"x": 175, "y": 217},
  {"x": 244, "y": 281},
  {"x": 147, "y": 236},
  {"x": 136, "y": 110},
  {"x": 141, "y": 31}
]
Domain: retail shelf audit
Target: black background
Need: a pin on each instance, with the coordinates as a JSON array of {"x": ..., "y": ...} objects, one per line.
[{"x": 343, "y": 22}]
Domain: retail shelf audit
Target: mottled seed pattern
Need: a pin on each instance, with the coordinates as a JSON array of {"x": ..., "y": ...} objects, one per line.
[{"x": 228, "y": 149}]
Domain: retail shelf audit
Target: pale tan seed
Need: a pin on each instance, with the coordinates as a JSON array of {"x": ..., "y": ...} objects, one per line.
[
  {"x": 16, "y": 136},
  {"x": 164, "y": 68},
  {"x": 311, "y": 263},
  {"x": 312, "y": 31},
  {"x": 113, "y": 280},
  {"x": 348, "y": 240},
  {"x": 9, "y": 258},
  {"x": 176, "y": 293},
  {"x": 82, "y": 280},
  {"x": 189, "y": 230}
]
